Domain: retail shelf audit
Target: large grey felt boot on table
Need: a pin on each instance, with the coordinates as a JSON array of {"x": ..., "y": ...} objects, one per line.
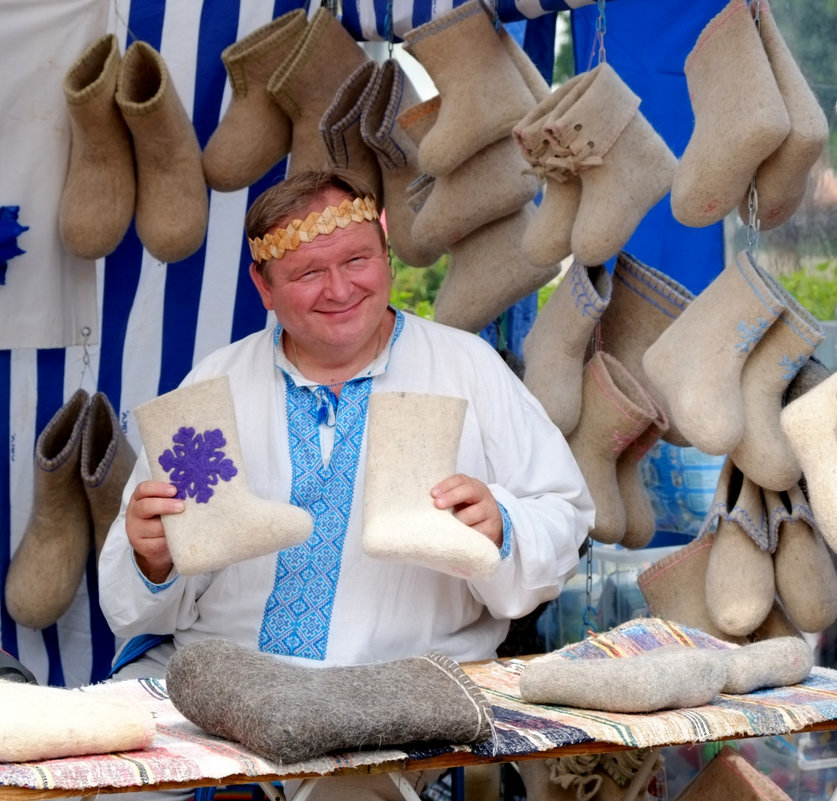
[
  {"x": 191, "y": 440},
  {"x": 48, "y": 564},
  {"x": 254, "y": 133},
  {"x": 289, "y": 713},
  {"x": 413, "y": 441},
  {"x": 776, "y": 662},
  {"x": 97, "y": 202},
  {"x": 696, "y": 362}
]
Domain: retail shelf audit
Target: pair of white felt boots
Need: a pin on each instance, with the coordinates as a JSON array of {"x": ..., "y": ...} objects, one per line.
[{"x": 191, "y": 439}]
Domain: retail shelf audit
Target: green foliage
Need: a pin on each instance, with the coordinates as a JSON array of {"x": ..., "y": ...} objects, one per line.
[
  {"x": 815, "y": 288},
  {"x": 564, "y": 58},
  {"x": 544, "y": 292},
  {"x": 414, "y": 288}
]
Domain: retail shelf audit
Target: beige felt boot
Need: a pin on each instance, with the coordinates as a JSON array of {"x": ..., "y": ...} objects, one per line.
[
  {"x": 535, "y": 82},
  {"x": 644, "y": 302},
  {"x": 546, "y": 239},
  {"x": 615, "y": 410},
  {"x": 695, "y": 364},
  {"x": 487, "y": 274},
  {"x": 806, "y": 581},
  {"x": 254, "y": 133},
  {"x": 48, "y": 564},
  {"x": 97, "y": 202},
  {"x": 740, "y": 584},
  {"x": 782, "y": 178},
  {"x": 483, "y": 92},
  {"x": 107, "y": 460},
  {"x": 306, "y": 82},
  {"x": 554, "y": 349},
  {"x": 172, "y": 205},
  {"x": 190, "y": 437},
  {"x": 392, "y": 96},
  {"x": 400, "y": 521},
  {"x": 740, "y": 118}
]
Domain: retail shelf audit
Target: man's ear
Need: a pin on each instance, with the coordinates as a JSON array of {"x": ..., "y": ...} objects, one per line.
[{"x": 262, "y": 286}]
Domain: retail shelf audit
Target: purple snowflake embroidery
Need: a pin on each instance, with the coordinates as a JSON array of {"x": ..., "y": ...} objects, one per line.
[{"x": 196, "y": 463}]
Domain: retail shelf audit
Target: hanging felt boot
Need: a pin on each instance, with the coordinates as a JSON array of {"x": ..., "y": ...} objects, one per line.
[
  {"x": 644, "y": 302},
  {"x": 107, "y": 460},
  {"x": 306, "y": 82},
  {"x": 172, "y": 205},
  {"x": 190, "y": 437},
  {"x": 254, "y": 133},
  {"x": 806, "y": 581},
  {"x": 695, "y": 364},
  {"x": 740, "y": 118},
  {"x": 97, "y": 202},
  {"x": 555, "y": 347},
  {"x": 483, "y": 92},
  {"x": 740, "y": 584},
  {"x": 400, "y": 520},
  {"x": 615, "y": 410},
  {"x": 48, "y": 564},
  {"x": 782, "y": 178}
]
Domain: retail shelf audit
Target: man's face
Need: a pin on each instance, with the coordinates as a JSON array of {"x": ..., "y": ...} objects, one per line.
[{"x": 330, "y": 293}]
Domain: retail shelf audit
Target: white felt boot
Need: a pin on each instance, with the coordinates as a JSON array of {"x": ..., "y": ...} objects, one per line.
[
  {"x": 413, "y": 440},
  {"x": 191, "y": 440}
]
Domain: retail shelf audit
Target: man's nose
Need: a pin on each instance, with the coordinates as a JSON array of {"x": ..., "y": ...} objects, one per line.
[{"x": 337, "y": 283}]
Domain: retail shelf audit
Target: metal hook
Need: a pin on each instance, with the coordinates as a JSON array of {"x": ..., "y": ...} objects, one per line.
[
  {"x": 86, "y": 331},
  {"x": 389, "y": 25}
]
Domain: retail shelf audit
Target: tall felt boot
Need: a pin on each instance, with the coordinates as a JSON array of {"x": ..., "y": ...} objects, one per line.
[
  {"x": 483, "y": 92},
  {"x": 190, "y": 437},
  {"x": 254, "y": 133},
  {"x": 806, "y": 581},
  {"x": 306, "y": 82},
  {"x": 487, "y": 274},
  {"x": 48, "y": 564},
  {"x": 764, "y": 453},
  {"x": 340, "y": 127},
  {"x": 615, "y": 410},
  {"x": 624, "y": 165},
  {"x": 172, "y": 205},
  {"x": 107, "y": 460},
  {"x": 738, "y": 122},
  {"x": 547, "y": 238},
  {"x": 695, "y": 364},
  {"x": 643, "y": 304},
  {"x": 97, "y": 202},
  {"x": 782, "y": 178},
  {"x": 392, "y": 96},
  {"x": 400, "y": 521},
  {"x": 740, "y": 584},
  {"x": 555, "y": 347}
]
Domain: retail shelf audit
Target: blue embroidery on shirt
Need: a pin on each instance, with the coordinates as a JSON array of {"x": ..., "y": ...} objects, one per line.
[
  {"x": 196, "y": 463},
  {"x": 10, "y": 230}
]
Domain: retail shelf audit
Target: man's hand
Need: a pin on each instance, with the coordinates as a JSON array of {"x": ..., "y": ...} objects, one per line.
[
  {"x": 145, "y": 528},
  {"x": 472, "y": 504}
]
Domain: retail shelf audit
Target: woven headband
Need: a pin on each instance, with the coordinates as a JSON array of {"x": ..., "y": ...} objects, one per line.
[{"x": 275, "y": 245}]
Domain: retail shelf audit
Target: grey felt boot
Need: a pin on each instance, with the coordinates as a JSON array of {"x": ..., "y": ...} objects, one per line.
[{"x": 48, "y": 564}]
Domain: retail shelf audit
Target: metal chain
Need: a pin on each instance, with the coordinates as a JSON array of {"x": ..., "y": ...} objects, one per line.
[
  {"x": 601, "y": 30},
  {"x": 589, "y": 617},
  {"x": 753, "y": 196}
]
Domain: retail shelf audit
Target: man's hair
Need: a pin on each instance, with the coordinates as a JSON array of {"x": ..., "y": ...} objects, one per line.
[{"x": 283, "y": 201}]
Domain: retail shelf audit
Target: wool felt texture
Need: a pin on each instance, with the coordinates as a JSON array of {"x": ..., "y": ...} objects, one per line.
[
  {"x": 191, "y": 440},
  {"x": 615, "y": 410},
  {"x": 419, "y": 117},
  {"x": 483, "y": 92},
  {"x": 810, "y": 423},
  {"x": 643, "y": 303},
  {"x": 487, "y": 273},
  {"x": 777, "y": 662},
  {"x": 306, "y": 82},
  {"x": 400, "y": 520},
  {"x": 289, "y": 713},
  {"x": 47, "y": 566},
  {"x": 532, "y": 77},
  {"x": 554, "y": 350},
  {"x": 254, "y": 133},
  {"x": 97, "y": 201},
  {"x": 696, "y": 362},
  {"x": 805, "y": 575},
  {"x": 782, "y": 178},
  {"x": 738, "y": 123},
  {"x": 172, "y": 207},
  {"x": 52, "y": 722}
]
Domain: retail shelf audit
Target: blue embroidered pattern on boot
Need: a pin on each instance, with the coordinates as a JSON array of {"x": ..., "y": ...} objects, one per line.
[{"x": 196, "y": 463}]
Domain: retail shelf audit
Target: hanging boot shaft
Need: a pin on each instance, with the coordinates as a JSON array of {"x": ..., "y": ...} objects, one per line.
[
  {"x": 191, "y": 440},
  {"x": 254, "y": 133},
  {"x": 48, "y": 564},
  {"x": 97, "y": 202},
  {"x": 172, "y": 204}
]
